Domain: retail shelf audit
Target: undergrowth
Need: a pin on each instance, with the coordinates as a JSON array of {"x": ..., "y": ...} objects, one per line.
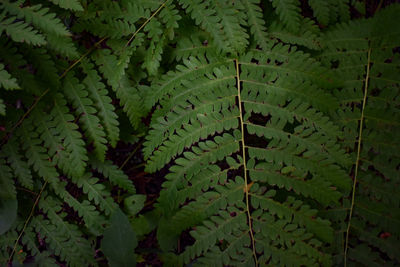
[{"x": 223, "y": 133}]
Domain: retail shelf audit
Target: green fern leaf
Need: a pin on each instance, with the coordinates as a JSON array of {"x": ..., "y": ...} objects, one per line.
[
  {"x": 37, "y": 155},
  {"x": 256, "y": 22},
  {"x": 38, "y": 17},
  {"x": 321, "y": 10},
  {"x": 78, "y": 96},
  {"x": 74, "y": 5},
  {"x": 18, "y": 164},
  {"x": 6, "y": 80},
  {"x": 99, "y": 95},
  {"x": 289, "y": 13},
  {"x": 78, "y": 244},
  {"x": 60, "y": 244},
  {"x": 20, "y": 31},
  {"x": 115, "y": 175},
  {"x": 69, "y": 152},
  {"x": 96, "y": 192}
]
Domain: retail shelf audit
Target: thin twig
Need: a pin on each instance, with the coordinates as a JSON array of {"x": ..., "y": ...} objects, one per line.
[
  {"x": 131, "y": 155},
  {"x": 353, "y": 196},
  {"x": 27, "y": 221}
]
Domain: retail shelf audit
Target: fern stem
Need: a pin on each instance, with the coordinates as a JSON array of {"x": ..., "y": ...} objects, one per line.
[
  {"x": 27, "y": 221},
  {"x": 246, "y": 188},
  {"x": 131, "y": 155},
  {"x": 358, "y": 157},
  {"x": 82, "y": 57}
]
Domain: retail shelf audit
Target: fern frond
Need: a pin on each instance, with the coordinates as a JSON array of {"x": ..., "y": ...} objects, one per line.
[
  {"x": 192, "y": 69},
  {"x": 205, "y": 14},
  {"x": 36, "y": 154},
  {"x": 96, "y": 192},
  {"x": 60, "y": 244},
  {"x": 232, "y": 19},
  {"x": 289, "y": 13},
  {"x": 20, "y": 31},
  {"x": 77, "y": 243},
  {"x": 116, "y": 176},
  {"x": 99, "y": 95},
  {"x": 63, "y": 45},
  {"x": 38, "y": 16},
  {"x": 94, "y": 221},
  {"x": 206, "y": 124},
  {"x": 7, "y": 190},
  {"x": 73, "y": 5},
  {"x": 256, "y": 22},
  {"x": 6, "y": 80},
  {"x": 18, "y": 164},
  {"x": 41, "y": 258},
  {"x": 308, "y": 35},
  {"x": 78, "y": 96},
  {"x": 16, "y": 65},
  {"x": 197, "y": 94},
  {"x": 71, "y": 157},
  {"x": 193, "y": 47}
]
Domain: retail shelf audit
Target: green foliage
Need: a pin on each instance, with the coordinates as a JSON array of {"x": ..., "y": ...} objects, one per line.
[
  {"x": 271, "y": 127},
  {"x": 119, "y": 241}
]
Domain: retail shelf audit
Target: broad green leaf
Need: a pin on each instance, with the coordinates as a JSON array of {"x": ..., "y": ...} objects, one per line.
[{"x": 119, "y": 241}]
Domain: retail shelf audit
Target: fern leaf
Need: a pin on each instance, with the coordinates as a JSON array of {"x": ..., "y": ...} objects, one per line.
[
  {"x": 72, "y": 156},
  {"x": 194, "y": 168},
  {"x": 193, "y": 47},
  {"x": 320, "y": 10},
  {"x": 99, "y": 95},
  {"x": 196, "y": 93},
  {"x": 289, "y": 13},
  {"x": 15, "y": 63},
  {"x": 206, "y": 17},
  {"x": 307, "y": 35},
  {"x": 231, "y": 14},
  {"x": 62, "y": 45},
  {"x": 112, "y": 67},
  {"x": 73, "y": 5},
  {"x": 256, "y": 22},
  {"x": 78, "y": 244},
  {"x": 37, "y": 155},
  {"x": 18, "y": 164},
  {"x": 41, "y": 258},
  {"x": 202, "y": 128},
  {"x": 96, "y": 192},
  {"x": 94, "y": 222},
  {"x": 78, "y": 96},
  {"x": 192, "y": 68},
  {"x": 59, "y": 243},
  {"x": 8, "y": 190},
  {"x": 20, "y": 31},
  {"x": 6, "y": 80},
  {"x": 115, "y": 175},
  {"x": 38, "y": 17}
]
